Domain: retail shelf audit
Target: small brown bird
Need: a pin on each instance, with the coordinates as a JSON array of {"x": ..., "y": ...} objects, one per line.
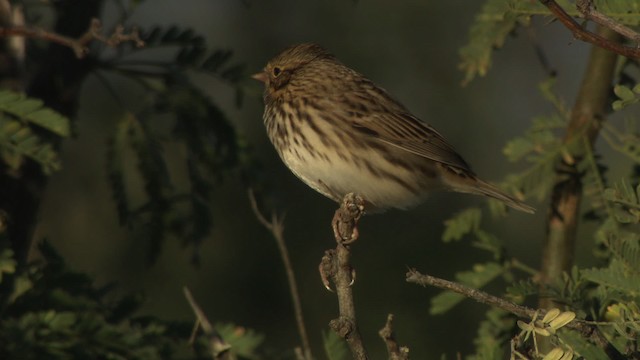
[{"x": 340, "y": 133}]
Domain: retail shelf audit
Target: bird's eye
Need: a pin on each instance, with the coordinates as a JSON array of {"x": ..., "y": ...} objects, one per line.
[{"x": 276, "y": 71}]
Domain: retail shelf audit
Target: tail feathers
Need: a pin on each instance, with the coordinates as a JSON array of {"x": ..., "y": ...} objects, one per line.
[{"x": 484, "y": 188}]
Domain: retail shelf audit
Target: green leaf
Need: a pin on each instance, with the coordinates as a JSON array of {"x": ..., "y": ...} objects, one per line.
[
  {"x": 626, "y": 97},
  {"x": 519, "y": 291},
  {"x": 16, "y": 146},
  {"x": 581, "y": 346},
  {"x": 117, "y": 151},
  {"x": 616, "y": 276},
  {"x": 19, "y": 141},
  {"x": 488, "y": 32},
  {"x": 243, "y": 341},
  {"x": 489, "y": 242},
  {"x": 493, "y": 333},
  {"x": 461, "y": 224},
  {"x": 7, "y": 263},
  {"x": 33, "y": 111},
  {"x": 623, "y": 92},
  {"x": 334, "y": 346},
  {"x": 478, "y": 277}
]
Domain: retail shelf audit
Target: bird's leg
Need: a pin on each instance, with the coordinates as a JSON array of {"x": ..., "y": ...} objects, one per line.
[
  {"x": 345, "y": 220},
  {"x": 345, "y": 231}
]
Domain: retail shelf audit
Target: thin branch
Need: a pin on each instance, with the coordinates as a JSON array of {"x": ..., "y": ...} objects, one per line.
[
  {"x": 413, "y": 276},
  {"x": 588, "y": 331},
  {"x": 589, "y": 12},
  {"x": 79, "y": 45},
  {"x": 336, "y": 265},
  {"x": 395, "y": 351},
  {"x": 220, "y": 349},
  {"x": 276, "y": 227},
  {"x": 585, "y": 35}
]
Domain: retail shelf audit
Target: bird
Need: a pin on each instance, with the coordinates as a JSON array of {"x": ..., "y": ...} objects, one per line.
[{"x": 340, "y": 133}]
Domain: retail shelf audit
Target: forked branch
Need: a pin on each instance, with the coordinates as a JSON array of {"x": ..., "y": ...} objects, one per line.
[
  {"x": 276, "y": 227},
  {"x": 394, "y": 350},
  {"x": 589, "y": 12},
  {"x": 220, "y": 349},
  {"x": 588, "y": 331},
  {"x": 78, "y": 45}
]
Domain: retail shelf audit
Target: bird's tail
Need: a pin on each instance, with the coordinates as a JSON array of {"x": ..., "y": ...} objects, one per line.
[{"x": 484, "y": 188}]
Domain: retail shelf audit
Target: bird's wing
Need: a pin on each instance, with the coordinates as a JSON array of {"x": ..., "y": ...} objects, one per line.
[{"x": 406, "y": 132}]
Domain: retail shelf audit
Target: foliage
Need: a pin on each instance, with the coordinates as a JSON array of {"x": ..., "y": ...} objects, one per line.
[
  {"x": 198, "y": 127},
  {"x": 334, "y": 347},
  {"x": 499, "y": 18},
  {"x": 29, "y": 130},
  {"x": 51, "y": 312},
  {"x": 606, "y": 295}
]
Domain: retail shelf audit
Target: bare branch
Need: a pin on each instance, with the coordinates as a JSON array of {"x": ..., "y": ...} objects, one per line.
[
  {"x": 220, "y": 349},
  {"x": 588, "y": 331},
  {"x": 395, "y": 351},
  {"x": 337, "y": 266},
  {"x": 585, "y": 35},
  {"x": 589, "y": 12},
  {"x": 79, "y": 45},
  {"x": 276, "y": 227}
]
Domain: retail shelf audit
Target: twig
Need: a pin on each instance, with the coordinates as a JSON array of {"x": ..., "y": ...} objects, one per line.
[
  {"x": 220, "y": 349},
  {"x": 587, "y": 331},
  {"x": 395, "y": 351},
  {"x": 589, "y": 12},
  {"x": 336, "y": 265},
  {"x": 413, "y": 276},
  {"x": 585, "y": 35},
  {"x": 79, "y": 45},
  {"x": 276, "y": 227}
]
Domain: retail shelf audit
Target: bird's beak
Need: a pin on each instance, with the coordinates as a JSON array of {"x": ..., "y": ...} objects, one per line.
[{"x": 261, "y": 76}]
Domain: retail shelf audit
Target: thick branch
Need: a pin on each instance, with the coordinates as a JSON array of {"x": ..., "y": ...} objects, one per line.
[
  {"x": 276, "y": 227},
  {"x": 587, "y": 114},
  {"x": 336, "y": 264},
  {"x": 79, "y": 45},
  {"x": 582, "y": 34}
]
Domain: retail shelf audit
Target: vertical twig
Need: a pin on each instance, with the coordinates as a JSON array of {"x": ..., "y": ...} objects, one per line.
[
  {"x": 336, "y": 264},
  {"x": 276, "y": 227},
  {"x": 394, "y": 350},
  {"x": 220, "y": 349}
]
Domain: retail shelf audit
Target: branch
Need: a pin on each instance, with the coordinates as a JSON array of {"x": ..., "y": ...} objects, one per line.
[
  {"x": 585, "y": 35},
  {"x": 79, "y": 45},
  {"x": 395, "y": 351},
  {"x": 586, "y": 116},
  {"x": 588, "y": 331},
  {"x": 276, "y": 227},
  {"x": 589, "y": 12},
  {"x": 336, "y": 265},
  {"x": 220, "y": 349}
]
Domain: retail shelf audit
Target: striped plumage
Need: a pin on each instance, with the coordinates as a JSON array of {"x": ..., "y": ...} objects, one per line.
[{"x": 340, "y": 133}]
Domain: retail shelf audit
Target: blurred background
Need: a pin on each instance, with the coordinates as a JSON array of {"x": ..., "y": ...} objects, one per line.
[{"x": 408, "y": 47}]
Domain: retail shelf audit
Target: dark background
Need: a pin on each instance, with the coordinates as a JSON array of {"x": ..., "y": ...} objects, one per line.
[{"x": 408, "y": 47}]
